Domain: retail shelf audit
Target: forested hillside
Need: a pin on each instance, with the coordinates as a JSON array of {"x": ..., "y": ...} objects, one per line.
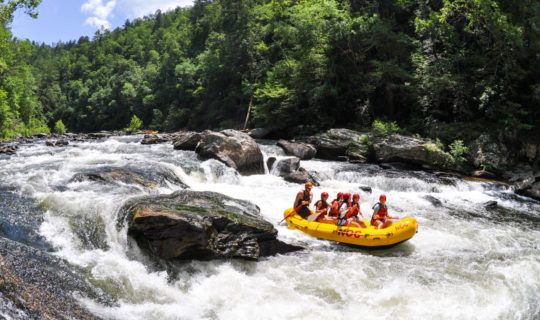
[{"x": 441, "y": 68}]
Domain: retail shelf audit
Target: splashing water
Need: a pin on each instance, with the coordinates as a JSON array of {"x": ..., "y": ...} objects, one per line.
[{"x": 465, "y": 262}]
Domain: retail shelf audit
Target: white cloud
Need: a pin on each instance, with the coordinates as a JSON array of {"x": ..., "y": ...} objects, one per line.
[
  {"x": 139, "y": 8},
  {"x": 101, "y": 11}
]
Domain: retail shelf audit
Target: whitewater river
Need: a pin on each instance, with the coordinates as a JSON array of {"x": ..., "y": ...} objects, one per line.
[{"x": 466, "y": 262}]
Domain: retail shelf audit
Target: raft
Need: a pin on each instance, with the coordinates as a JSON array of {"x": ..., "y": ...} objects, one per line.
[{"x": 370, "y": 237}]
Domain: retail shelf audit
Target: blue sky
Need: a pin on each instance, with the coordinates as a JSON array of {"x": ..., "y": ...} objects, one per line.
[{"x": 64, "y": 20}]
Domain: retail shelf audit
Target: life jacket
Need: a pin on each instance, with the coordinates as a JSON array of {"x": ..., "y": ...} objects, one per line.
[
  {"x": 335, "y": 212},
  {"x": 382, "y": 213},
  {"x": 353, "y": 210}
]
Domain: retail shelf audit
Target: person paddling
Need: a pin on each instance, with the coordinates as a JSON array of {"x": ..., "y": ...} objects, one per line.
[
  {"x": 336, "y": 204},
  {"x": 380, "y": 218},
  {"x": 321, "y": 208},
  {"x": 302, "y": 201},
  {"x": 351, "y": 217}
]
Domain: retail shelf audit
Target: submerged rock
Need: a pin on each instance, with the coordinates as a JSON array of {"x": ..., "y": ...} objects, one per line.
[
  {"x": 153, "y": 177},
  {"x": 56, "y": 143},
  {"x": 301, "y": 150},
  {"x": 234, "y": 148},
  {"x": 41, "y": 286},
  {"x": 155, "y": 139},
  {"x": 201, "y": 225},
  {"x": 8, "y": 149}
]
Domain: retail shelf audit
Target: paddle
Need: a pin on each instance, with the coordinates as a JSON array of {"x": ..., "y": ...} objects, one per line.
[
  {"x": 290, "y": 214},
  {"x": 314, "y": 216}
]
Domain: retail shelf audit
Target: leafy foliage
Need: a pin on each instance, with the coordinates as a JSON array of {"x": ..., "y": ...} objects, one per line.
[
  {"x": 427, "y": 66},
  {"x": 135, "y": 124},
  {"x": 59, "y": 127}
]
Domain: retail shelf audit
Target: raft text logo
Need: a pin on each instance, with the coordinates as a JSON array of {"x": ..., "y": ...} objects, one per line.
[{"x": 349, "y": 233}]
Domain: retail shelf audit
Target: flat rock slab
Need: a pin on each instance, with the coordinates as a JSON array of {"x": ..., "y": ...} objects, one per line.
[{"x": 200, "y": 225}]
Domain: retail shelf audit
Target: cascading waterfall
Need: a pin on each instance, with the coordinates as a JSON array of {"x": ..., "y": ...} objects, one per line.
[{"x": 465, "y": 262}]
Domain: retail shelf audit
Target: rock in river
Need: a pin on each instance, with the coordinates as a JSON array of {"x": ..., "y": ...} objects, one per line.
[
  {"x": 200, "y": 225},
  {"x": 234, "y": 148},
  {"x": 304, "y": 151},
  {"x": 147, "y": 177}
]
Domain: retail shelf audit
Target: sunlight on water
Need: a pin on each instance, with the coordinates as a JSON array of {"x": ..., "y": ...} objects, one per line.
[{"x": 464, "y": 263}]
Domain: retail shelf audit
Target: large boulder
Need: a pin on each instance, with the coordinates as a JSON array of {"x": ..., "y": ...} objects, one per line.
[
  {"x": 485, "y": 152},
  {"x": 186, "y": 140},
  {"x": 338, "y": 144},
  {"x": 527, "y": 184},
  {"x": 146, "y": 177},
  {"x": 234, "y": 148},
  {"x": 290, "y": 170},
  {"x": 410, "y": 150},
  {"x": 259, "y": 133},
  {"x": 200, "y": 225},
  {"x": 301, "y": 150}
]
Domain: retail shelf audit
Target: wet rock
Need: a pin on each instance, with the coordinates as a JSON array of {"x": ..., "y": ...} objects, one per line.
[
  {"x": 154, "y": 139},
  {"x": 270, "y": 162},
  {"x": 486, "y": 152},
  {"x": 153, "y": 177},
  {"x": 336, "y": 143},
  {"x": 490, "y": 205},
  {"x": 298, "y": 176},
  {"x": 200, "y": 225},
  {"x": 287, "y": 166},
  {"x": 365, "y": 189},
  {"x": 527, "y": 184},
  {"x": 8, "y": 149},
  {"x": 234, "y": 148},
  {"x": 259, "y": 133},
  {"x": 56, "y": 143},
  {"x": 42, "y": 286},
  {"x": 399, "y": 148},
  {"x": 186, "y": 140},
  {"x": 484, "y": 174},
  {"x": 434, "y": 201},
  {"x": 301, "y": 150},
  {"x": 21, "y": 219}
]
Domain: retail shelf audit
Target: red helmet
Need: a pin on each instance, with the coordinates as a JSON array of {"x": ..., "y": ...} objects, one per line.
[
  {"x": 346, "y": 195},
  {"x": 324, "y": 194},
  {"x": 340, "y": 194},
  {"x": 356, "y": 196},
  {"x": 382, "y": 197}
]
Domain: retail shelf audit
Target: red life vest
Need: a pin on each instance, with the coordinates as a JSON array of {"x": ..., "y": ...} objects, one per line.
[
  {"x": 353, "y": 211},
  {"x": 333, "y": 211},
  {"x": 382, "y": 213}
]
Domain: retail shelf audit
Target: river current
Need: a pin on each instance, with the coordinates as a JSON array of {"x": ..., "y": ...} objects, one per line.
[{"x": 465, "y": 262}]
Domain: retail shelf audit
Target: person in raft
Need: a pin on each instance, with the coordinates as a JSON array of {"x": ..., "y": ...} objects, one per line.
[
  {"x": 303, "y": 200},
  {"x": 336, "y": 204},
  {"x": 380, "y": 218},
  {"x": 321, "y": 208},
  {"x": 351, "y": 216}
]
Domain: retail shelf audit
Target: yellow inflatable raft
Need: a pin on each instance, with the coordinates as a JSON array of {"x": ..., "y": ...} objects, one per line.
[{"x": 397, "y": 233}]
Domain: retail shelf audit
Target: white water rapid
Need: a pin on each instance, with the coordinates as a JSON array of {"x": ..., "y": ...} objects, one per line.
[{"x": 466, "y": 262}]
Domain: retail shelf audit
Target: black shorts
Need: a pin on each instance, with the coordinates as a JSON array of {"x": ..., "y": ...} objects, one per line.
[{"x": 304, "y": 212}]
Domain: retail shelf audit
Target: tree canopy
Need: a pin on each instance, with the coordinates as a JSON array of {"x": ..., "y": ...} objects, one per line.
[{"x": 434, "y": 67}]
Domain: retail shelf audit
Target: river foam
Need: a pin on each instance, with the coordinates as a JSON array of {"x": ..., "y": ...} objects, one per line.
[{"x": 465, "y": 262}]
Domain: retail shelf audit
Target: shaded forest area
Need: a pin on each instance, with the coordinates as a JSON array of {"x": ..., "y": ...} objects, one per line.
[{"x": 440, "y": 68}]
